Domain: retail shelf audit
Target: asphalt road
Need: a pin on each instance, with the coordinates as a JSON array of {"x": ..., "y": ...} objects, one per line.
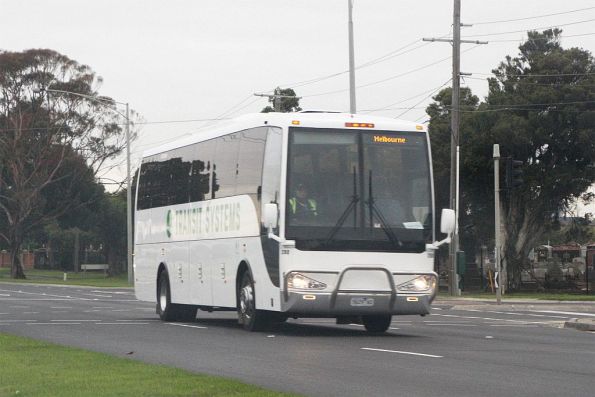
[{"x": 462, "y": 349}]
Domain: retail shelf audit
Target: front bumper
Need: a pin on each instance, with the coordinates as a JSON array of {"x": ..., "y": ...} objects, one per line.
[
  {"x": 350, "y": 296},
  {"x": 355, "y": 303}
]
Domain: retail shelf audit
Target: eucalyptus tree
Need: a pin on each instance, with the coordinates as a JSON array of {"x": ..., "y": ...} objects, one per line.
[{"x": 50, "y": 140}]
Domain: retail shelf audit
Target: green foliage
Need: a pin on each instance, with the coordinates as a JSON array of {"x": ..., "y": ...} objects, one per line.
[
  {"x": 286, "y": 105},
  {"x": 541, "y": 110},
  {"x": 52, "y": 144}
]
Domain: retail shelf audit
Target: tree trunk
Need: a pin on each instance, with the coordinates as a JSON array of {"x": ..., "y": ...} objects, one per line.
[{"x": 16, "y": 267}]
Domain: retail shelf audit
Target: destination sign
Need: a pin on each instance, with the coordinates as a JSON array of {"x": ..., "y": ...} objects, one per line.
[{"x": 388, "y": 139}]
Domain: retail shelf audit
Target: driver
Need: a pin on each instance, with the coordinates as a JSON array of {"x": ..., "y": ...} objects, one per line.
[{"x": 301, "y": 206}]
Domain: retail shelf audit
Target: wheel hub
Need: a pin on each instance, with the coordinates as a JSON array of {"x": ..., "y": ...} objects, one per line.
[{"x": 246, "y": 301}]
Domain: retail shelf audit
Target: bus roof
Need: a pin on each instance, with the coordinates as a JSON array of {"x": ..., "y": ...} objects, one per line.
[{"x": 302, "y": 119}]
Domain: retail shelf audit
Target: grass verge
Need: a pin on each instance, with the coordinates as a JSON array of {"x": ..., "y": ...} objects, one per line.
[
  {"x": 34, "y": 368},
  {"x": 91, "y": 278}
]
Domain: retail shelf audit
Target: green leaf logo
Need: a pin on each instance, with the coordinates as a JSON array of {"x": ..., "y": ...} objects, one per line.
[{"x": 168, "y": 224}]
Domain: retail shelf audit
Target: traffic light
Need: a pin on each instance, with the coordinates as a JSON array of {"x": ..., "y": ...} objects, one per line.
[{"x": 514, "y": 173}]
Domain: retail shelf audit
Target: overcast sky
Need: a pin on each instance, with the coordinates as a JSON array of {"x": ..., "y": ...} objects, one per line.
[{"x": 176, "y": 61}]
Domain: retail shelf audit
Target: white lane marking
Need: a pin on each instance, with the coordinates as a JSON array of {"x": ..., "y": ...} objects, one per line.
[
  {"x": 60, "y": 307},
  {"x": 102, "y": 307},
  {"x": 42, "y": 294},
  {"x": 30, "y": 313},
  {"x": 53, "y": 323},
  {"x": 569, "y": 313},
  {"x": 453, "y": 324},
  {"x": 436, "y": 308},
  {"x": 113, "y": 292},
  {"x": 4, "y": 294},
  {"x": 402, "y": 352},
  {"x": 522, "y": 314},
  {"x": 514, "y": 325},
  {"x": 122, "y": 310},
  {"x": 189, "y": 326},
  {"x": 101, "y": 296},
  {"x": 394, "y": 328},
  {"x": 69, "y": 321},
  {"x": 495, "y": 319},
  {"x": 121, "y": 323},
  {"x": 129, "y": 321},
  {"x": 15, "y": 321}
]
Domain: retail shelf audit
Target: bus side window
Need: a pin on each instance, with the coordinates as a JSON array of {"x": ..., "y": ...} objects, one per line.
[
  {"x": 225, "y": 165},
  {"x": 200, "y": 173},
  {"x": 271, "y": 171},
  {"x": 250, "y": 159}
]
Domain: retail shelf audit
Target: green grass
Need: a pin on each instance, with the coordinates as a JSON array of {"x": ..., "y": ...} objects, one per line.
[
  {"x": 91, "y": 278},
  {"x": 34, "y": 368},
  {"x": 531, "y": 295}
]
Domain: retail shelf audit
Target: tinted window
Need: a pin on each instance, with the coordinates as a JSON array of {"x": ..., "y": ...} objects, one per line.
[
  {"x": 225, "y": 166},
  {"x": 220, "y": 167},
  {"x": 250, "y": 161},
  {"x": 200, "y": 170}
]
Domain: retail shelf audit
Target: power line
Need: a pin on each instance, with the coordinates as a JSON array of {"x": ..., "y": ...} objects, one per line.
[
  {"x": 553, "y": 84},
  {"x": 533, "y": 17},
  {"x": 525, "y": 30},
  {"x": 390, "y": 55},
  {"x": 564, "y": 36},
  {"x": 413, "y": 107},
  {"x": 388, "y": 107},
  {"x": 542, "y": 75},
  {"x": 391, "y": 77}
]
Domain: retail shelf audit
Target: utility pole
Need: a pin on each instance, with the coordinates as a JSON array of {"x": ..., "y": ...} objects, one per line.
[
  {"x": 276, "y": 98},
  {"x": 455, "y": 137},
  {"x": 352, "y": 108},
  {"x": 497, "y": 275}
]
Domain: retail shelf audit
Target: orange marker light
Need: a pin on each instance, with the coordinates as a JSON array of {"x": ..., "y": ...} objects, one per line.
[
  {"x": 359, "y": 125},
  {"x": 295, "y": 122},
  {"x": 419, "y": 127}
]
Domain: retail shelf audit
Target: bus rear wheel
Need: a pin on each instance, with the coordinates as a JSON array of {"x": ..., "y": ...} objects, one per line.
[
  {"x": 376, "y": 324},
  {"x": 169, "y": 311},
  {"x": 248, "y": 316}
]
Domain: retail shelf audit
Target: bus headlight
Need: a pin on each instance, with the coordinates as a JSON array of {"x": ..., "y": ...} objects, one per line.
[
  {"x": 299, "y": 281},
  {"x": 423, "y": 283}
]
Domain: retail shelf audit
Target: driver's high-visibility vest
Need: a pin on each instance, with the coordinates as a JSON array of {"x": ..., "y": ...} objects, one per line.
[{"x": 311, "y": 205}]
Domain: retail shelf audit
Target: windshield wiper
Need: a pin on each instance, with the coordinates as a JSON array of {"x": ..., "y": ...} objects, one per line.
[
  {"x": 373, "y": 208},
  {"x": 351, "y": 207}
]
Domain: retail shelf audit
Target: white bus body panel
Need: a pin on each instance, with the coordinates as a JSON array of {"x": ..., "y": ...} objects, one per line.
[{"x": 202, "y": 244}]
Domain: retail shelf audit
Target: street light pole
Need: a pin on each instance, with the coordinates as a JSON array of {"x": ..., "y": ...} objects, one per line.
[
  {"x": 105, "y": 103},
  {"x": 129, "y": 242},
  {"x": 352, "y": 108}
]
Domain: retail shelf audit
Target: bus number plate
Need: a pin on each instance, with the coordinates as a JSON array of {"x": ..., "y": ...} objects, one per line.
[{"x": 362, "y": 301}]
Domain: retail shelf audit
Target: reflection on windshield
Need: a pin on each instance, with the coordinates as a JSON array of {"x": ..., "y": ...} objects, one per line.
[{"x": 346, "y": 188}]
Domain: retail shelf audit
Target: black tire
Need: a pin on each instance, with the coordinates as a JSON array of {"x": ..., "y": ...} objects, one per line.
[
  {"x": 248, "y": 316},
  {"x": 376, "y": 324},
  {"x": 169, "y": 311}
]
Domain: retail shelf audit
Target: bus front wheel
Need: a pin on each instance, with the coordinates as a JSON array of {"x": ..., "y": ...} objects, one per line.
[
  {"x": 376, "y": 324},
  {"x": 248, "y": 316}
]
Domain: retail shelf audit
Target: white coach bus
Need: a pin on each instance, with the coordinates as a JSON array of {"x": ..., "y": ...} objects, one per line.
[{"x": 290, "y": 215}]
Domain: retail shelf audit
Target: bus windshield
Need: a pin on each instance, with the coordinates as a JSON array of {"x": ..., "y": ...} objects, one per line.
[{"x": 358, "y": 190}]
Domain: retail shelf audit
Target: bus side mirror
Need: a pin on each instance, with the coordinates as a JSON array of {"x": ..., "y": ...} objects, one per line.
[
  {"x": 271, "y": 215},
  {"x": 447, "y": 221}
]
